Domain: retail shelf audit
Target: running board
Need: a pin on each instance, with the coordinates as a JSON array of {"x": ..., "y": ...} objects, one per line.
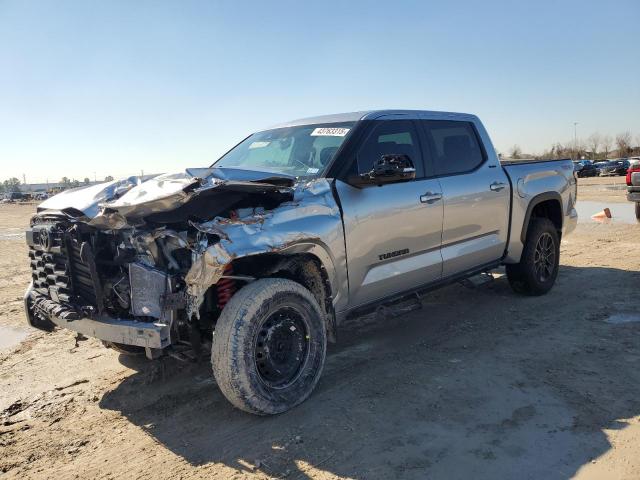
[{"x": 477, "y": 280}]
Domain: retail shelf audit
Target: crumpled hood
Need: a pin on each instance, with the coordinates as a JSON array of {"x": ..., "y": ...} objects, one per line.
[
  {"x": 87, "y": 199},
  {"x": 110, "y": 204}
]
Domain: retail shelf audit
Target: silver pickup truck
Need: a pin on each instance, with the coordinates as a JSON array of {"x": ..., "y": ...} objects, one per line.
[{"x": 261, "y": 256}]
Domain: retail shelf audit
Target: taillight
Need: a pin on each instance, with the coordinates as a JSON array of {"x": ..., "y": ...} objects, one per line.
[{"x": 629, "y": 172}]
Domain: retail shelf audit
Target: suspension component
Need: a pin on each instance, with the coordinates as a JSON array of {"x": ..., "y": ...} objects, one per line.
[{"x": 226, "y": 287}]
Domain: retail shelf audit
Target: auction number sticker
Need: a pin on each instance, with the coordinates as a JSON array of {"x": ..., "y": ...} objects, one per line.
[
  {"x": 329, "y": 132},
  {"x": 258, "y": 145}
]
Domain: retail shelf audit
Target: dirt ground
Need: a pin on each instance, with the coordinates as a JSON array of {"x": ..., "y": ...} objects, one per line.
[{"x": 477, "y": 383}]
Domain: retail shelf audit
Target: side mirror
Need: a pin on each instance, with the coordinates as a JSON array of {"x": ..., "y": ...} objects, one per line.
[{"x": 391, "y": 168}]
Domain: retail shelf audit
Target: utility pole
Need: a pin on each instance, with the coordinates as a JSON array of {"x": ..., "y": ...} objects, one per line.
[
  {"x": 575, "y": 139},
  {"x": 24, "y": 181}
]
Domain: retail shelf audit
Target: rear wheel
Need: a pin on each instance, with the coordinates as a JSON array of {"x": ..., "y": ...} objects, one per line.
[
  {"x": 269, "y": 346},
  {"x": 638, "y": 210},
  {"x": 538, "y": 268}
]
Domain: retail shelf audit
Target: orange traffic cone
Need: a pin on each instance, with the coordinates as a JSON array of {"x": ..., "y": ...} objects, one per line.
[{"x": 606, "y": 213}]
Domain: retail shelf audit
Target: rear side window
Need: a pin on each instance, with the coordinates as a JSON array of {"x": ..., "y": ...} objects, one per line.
[
  {"x": 390, "y": 137},
  {"x": 455, "y": 146}
]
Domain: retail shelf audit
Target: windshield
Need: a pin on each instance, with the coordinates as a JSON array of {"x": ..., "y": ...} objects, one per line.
[{"x": 302, "y": 151}]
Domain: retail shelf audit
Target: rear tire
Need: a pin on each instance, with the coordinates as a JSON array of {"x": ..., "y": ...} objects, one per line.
[
  {"x": 638, "y": 210},
  {"x": 269, "y": 346},
  {"x": 538, "y": 268}
]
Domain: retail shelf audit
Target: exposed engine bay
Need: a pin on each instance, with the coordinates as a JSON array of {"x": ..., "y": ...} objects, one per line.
[{"x": 167, "y": 253}]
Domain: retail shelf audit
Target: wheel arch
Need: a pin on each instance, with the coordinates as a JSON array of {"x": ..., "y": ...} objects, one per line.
[
  {"x": 545, "y": 205},
  {"x": 307, "y": 264}
]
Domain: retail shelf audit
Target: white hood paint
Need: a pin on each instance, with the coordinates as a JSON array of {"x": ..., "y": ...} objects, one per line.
[{"x": 128, "y": 195}]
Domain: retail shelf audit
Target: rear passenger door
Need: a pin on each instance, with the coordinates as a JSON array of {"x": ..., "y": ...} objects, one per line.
[
  {"x": 392, "y": 232},
  {"x": 475, "y": 192}
]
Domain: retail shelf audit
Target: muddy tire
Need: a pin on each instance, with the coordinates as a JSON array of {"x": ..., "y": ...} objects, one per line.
[
  {"x": 538, "y": 268},
  {"x": 638, "y": 210},
  {"x": 269, "y": 346}
]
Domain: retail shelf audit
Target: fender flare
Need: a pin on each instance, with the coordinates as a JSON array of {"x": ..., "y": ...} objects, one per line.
[
  {"x": 337, "y": 284},
  {"x": 324, "y": 257},
  {"x": 537, "y": 200}
]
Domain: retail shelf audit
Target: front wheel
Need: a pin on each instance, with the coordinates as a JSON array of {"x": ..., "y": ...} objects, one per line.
[
  {"x": 538, "y": 268},
  {"x": 269, "y": 346}
]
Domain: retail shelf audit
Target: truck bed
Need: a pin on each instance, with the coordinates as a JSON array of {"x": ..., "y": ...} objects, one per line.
[
  {"x": 525, "y": 161},
  {"x": 531, "y": 179}
]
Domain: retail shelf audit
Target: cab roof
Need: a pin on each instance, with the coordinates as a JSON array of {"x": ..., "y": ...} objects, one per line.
[{"x": 373, "y": 114}]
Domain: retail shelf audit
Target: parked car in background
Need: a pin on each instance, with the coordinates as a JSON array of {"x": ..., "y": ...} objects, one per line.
[
  {"x": 577, "y": 167},
  {"x": 13, "y": 196},
  {"x": 633, "y": 187},
  {"x": 599, "y": 165},
  {"x": 587, "y": 169},
  {"x": 615, "y": 167}
]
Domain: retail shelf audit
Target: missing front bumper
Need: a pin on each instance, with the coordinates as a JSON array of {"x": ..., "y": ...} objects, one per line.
[{"x": 154, "y": 335}]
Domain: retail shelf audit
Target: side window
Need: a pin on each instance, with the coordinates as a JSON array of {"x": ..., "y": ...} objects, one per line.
[
  {"x": 455, "y": 146},
  {"x": 388, "y": 137}
]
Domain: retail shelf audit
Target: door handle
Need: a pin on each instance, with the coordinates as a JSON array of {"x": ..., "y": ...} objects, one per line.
[
  {"x": 430, "y": 197},
  {"x": 497, "y": 186}
]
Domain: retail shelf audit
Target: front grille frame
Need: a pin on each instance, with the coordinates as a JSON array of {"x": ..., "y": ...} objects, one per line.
[{"x": 57, "y": 268}]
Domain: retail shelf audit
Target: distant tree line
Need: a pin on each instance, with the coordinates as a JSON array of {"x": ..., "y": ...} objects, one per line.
[
  {"x": 13, "y": 184},
  {"x": 595, "y": 147}
]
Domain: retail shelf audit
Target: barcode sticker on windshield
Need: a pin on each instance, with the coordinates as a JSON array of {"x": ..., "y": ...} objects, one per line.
[
  {"x": 329, "y": 132},
  {"x": 258, "y": 145}
]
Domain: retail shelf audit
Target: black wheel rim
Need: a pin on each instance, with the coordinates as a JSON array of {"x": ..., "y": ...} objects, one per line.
[
  {"x": 544, "y": 259},
  {"x": 281, "y": 347}
]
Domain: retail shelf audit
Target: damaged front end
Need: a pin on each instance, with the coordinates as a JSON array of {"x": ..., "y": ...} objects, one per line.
[{"x": 152, "y": 264}]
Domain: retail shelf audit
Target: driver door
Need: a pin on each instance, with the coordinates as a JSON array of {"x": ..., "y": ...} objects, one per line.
[{"x": 394, "y": 231}]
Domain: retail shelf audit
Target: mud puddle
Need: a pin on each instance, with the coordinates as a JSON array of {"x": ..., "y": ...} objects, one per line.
[
  {"x": 620, "y": 212},
  {"x": 11, "y": 233},
  {"x": 10, "y": 337}
]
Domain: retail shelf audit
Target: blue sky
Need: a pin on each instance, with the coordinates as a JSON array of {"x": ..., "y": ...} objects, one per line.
[{"x": 115, "y": 87}]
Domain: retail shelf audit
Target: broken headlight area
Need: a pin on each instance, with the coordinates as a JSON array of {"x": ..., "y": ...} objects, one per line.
[
  {"x": 155, "y": 264},
  {"x": 160, "y": 268},
  {"x": 80, "y": 272}
]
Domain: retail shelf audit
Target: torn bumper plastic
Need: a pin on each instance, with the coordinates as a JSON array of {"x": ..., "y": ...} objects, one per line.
[{"x": 128, "y": 332}]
